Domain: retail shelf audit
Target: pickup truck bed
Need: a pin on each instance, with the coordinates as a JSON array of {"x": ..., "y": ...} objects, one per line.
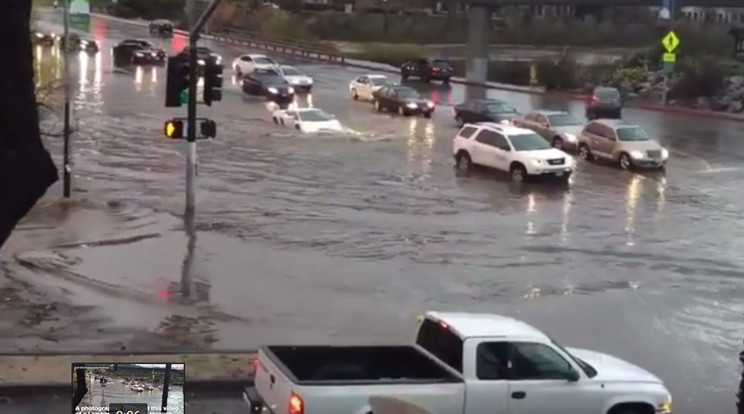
[{"x": 357, "y": 365}]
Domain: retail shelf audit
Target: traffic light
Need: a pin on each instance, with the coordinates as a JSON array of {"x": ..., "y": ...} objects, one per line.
[
  {"x": 208, "y": 128},
  {"x": 173, "y": 129},
  {"x": 212, "y": 82},
  {"x": 177, "y": 81}
]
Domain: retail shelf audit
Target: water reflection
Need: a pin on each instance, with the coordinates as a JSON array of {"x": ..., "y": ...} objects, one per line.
[
  {"x": 634, "y": 192},
  {"x": 567, "y": 202},
  {"x": 531, "y": 210},
  {"x": 661, "y": 186},
  {"x": 419, "y": 148}
]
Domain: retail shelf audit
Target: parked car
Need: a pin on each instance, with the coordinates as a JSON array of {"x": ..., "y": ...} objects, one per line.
[
  {"x": 249, "y": 62},
  {"x": 461, "y": 363},
  {"x": 518, "y": 151},
  {"x": 621, "y": 143},
  {"x": 161, "y": 27},
  {"x": 299, "y": 81},
  {"x": 362, "y": 87},
  {"x": 428, "y": 70},
  {"x": 605, "y": 102},
  {"x": 268, "y": 83},
  {"x": 483, "y": 110},
  {"x": 307, "y": 120},
  {"x": 560, "y": 128},
  {"x": 403, "y": 100}
]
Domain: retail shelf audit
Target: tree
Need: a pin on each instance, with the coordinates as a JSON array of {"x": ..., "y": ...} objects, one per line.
[{"x": 26, "y": 168}]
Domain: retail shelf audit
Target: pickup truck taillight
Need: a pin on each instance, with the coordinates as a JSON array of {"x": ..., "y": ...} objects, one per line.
[{"x": 296, "y": 405}]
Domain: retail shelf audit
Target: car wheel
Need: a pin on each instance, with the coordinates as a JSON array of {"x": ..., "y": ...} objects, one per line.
[
  {"x": 401, "y": 111},
  {"x": 557, "y": 143},
  {"x": 378, "y": 107},
  {"x": 354, "y": 94},
  {"x": 427, "y": 115},
  {"x": 625, "y": 162},
  {"x": 238, "y": 71},
  {"x": 459, "y": 121},
  {"x": 585, "y": 153},
  {"x": 446, "y": 81},
  {"x": 297, "y": 127},
  {"x": 276, "y": 121},
  {"x": 403, "y": 76},
  {"x": 281, "y": 121},
  {"x": 463, "y": 161},
  {"x": 517, "y": 173}
]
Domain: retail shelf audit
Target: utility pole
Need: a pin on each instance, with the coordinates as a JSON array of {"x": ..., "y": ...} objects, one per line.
[{"x": 66, "y": 167}]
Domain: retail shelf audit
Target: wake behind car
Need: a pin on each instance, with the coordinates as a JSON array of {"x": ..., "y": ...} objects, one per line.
[
  {"x": 362, "y": 87},
  {"x": 403, "y": 100},
  {"x": 559, "y": 128},
  {"x": 307, "y": 120},
  {"x": 138, "y": 52},
  {"x": 428, "y": 70},
  {"x": 626, "y": 145},
  {"x": 44, "y": 38},
  {"x": 483, "y": 110},
  {"x": 520, "y": 152},
  {"x": 299, "y": 81},
  {"x": 270, "y": 83},
  {"x": 460, "y": 363},
  {"x": 161, "y": 27}
]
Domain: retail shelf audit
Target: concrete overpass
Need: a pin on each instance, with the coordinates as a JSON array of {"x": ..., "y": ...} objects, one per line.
[{"x": 480, "y": 11}]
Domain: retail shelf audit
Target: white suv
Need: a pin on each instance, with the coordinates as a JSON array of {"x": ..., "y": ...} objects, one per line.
[{"x": 518, "y": 151}]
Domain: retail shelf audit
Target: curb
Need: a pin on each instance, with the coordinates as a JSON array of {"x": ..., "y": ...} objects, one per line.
[{"x": 339, "y": 60}]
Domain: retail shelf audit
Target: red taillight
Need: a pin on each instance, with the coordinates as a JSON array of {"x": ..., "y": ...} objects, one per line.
[
  {"x": 594, "y": 99},
  {"x": 435, "y": 69},
  {"x": 254, "y": 362},
  {"x": 296, "y": 406}
]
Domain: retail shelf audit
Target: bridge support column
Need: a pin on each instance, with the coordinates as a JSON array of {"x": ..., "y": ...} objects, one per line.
[{"x": 479, "y": 30}]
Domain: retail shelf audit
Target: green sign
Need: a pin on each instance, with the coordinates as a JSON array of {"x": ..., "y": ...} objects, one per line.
[
  {"x": 669, "y": 57},
  {"x": 668, "y": 68},
  {"x": 184, "y": 97},
  {"x": 80, "y": 14}
]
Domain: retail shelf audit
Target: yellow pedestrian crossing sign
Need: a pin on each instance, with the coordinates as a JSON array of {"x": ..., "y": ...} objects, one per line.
[{"x": 670, "y": 41}]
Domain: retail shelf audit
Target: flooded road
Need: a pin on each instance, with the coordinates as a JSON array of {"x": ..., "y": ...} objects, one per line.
[{"x": 347, "y": 238}]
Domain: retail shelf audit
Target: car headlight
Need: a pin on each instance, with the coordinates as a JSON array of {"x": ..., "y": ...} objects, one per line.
[
  {"x": 636, "y": 154},
  {"x": 39, "y": 35},
  {"x": 218, "y": 59},
  {"x": 201, "y": 61},
  {"x": 665, "y": 407},
  {"x": 537, "y": 162},
  {"x": 664, "y": 153},
  {"x": 505, "y": 122},
  {"x": 153, "y": 54},
  {"x": 273, "y": 90},
  {"x": 570, "y": 137},
  {"x": 309, "y": 81},
  {"x": 138, "y": 54},
  {"x": 290, "y": 89},
  {"x": 411, "y": 105},
  {"x": 430, "y": 104}
]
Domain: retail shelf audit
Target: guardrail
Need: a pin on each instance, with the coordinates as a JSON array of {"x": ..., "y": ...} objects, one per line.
[{"x": 278, "y": 45}]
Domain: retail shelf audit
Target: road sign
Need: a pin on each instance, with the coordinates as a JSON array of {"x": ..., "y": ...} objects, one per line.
[
  {"x": 184, "y": 96},
  {"x": 669, "y": 57},
  {"x": 668, "y": 68},
  {"x": 670, "y": 41}
]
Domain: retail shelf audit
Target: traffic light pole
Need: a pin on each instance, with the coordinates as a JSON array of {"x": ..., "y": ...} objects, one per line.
[{"x": 191, "y": 115}]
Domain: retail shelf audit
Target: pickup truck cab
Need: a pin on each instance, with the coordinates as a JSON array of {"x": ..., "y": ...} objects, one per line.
[{"x": 462, "y": 363}]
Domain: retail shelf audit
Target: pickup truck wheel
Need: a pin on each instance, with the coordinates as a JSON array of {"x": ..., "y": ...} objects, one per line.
[
  {"x": 463, "y": 161},
  {"x": 459, "y": 121},
  {"x": 558, "y": 143},
  {"x": 517, "y": 173},
  {"x": 584, "y": 153},
  {"x": 354, "y": 94}
]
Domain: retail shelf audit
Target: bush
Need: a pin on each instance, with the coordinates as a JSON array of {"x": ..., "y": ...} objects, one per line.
[
  {"x": 149, "y": 9},
  {"x": 698, "y": 77},
  {"x": 559, "y": 74}
]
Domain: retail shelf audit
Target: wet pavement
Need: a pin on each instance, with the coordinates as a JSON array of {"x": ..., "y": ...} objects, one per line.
[{"x": 345, "y": 238}]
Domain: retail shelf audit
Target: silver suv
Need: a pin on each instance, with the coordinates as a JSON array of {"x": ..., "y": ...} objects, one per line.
[{"x": 625, "y": 144}]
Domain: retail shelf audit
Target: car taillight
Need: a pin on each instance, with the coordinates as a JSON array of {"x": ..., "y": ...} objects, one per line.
[
  {"x": 435, "y": 69},
  {"x": 296, "y": 406},
  {"x": 254, "y": 363},
  {"x": 594, "y": 99}
]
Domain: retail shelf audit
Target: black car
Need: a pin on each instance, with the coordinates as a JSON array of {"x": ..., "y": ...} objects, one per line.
[
  {"x": 77, "y": 44},
  {"x": 270, "y": 83},
  {"x": 138, "y": 52},
  {"x": 402, "y": 99},
  {"x": 43, "y": 39},
  {"x": 483, "y": 110},
  {"x": 161, "y": 27},
  {"x": 203, "y": 55},
  {"x": 605, "y": 102},
  {"x": 427, "y": 70}
]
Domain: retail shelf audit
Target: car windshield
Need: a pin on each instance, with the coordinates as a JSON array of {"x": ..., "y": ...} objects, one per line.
[
  {"x": 290, "y": 71},
  {"x": 407, "y": 93},
  {"x": 588, "y": 369},
  {"x": 529, "y": 142},
  {"x": 561, "y": 120},
  {"x": 607, "y": 94},
  {"x": 632, "y": 134},
  {"x": 315, "y": 116},
  {"x": 262, "y": 60},
  {"x": 379, "y": 81},
  {"x": 499, "y": 108}
]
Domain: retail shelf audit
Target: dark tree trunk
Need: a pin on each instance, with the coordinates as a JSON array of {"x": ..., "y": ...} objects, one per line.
[{"x": 26, "y": 169}]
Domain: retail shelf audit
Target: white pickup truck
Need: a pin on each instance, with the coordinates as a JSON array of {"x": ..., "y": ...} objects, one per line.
[{"x": 461, "y": 363}]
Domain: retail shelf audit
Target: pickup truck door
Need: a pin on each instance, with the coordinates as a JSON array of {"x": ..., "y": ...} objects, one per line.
[
  {"x": 538, "y": 382},
  {"x": 488, "y": 383}
]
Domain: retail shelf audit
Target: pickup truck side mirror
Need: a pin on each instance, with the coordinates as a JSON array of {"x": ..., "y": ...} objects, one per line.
[{"x": 572, "y": 375}]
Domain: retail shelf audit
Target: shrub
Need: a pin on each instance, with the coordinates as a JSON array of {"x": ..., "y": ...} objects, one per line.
[
  {"x": 149, "y": 9},
  {"x": 559, "y": 74},
  {"x": 698, "y": 77}
]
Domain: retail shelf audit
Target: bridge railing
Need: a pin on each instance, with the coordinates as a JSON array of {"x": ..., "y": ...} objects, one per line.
[{"x": 287, "y": 46}]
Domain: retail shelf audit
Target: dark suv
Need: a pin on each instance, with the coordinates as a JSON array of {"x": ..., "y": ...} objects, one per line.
[
  {"x": 605, "y": 102},
  {"x": 427, "y": 70}
]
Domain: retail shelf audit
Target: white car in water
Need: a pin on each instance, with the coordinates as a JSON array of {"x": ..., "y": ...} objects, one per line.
[
  {"x": 299, "y": 81},
  {"x": 248, "y": 62},
  {"x": 362, "y": 87},
  {"x": 307, "y": 120}
]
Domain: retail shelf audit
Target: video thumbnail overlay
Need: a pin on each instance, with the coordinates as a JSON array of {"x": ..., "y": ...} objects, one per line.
[{"x": 127, "y": 388}]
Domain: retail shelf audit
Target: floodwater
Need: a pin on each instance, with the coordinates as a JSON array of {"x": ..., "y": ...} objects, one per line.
[{"x": 346, "y": 238}]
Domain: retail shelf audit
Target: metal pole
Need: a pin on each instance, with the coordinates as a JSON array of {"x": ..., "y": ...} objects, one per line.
[
  {"x": 66, "y": 167},
  {"x": 166, "y": 385}
]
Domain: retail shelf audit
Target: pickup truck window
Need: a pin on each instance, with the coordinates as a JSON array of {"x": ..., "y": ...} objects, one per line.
[
  {"x": 534, "y": 361},
  {"x": 492, "y": 360},
  {"x": 441, "y": 342}
]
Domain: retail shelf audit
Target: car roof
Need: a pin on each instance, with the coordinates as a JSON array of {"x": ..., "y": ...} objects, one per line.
[
  {"x": 503, "y": 128},
  {"x": 308, "y": 110},
  {"x": 469, "y": 325},
  {"x": 255, "y": 55}
]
